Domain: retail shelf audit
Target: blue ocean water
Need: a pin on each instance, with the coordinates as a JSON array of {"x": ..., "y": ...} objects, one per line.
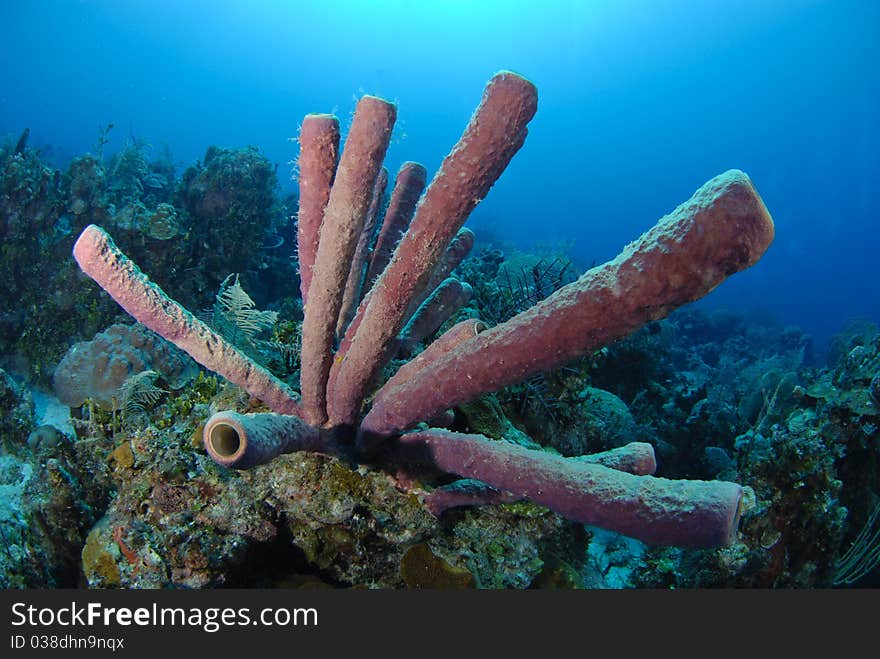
[{"x": 640, "y": 103}]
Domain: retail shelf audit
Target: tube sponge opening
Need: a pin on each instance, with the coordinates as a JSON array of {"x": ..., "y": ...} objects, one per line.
[
  {"x": 241, "y": 441},
  {"x": 225, "y": 440}
]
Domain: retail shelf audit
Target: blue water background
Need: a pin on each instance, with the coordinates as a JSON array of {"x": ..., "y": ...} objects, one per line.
[{"x": 640, "y": 103}]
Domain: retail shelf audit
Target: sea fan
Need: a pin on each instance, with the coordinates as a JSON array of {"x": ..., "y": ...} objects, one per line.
[
  {"x": 138, "y": 393},
  {"x": 239, "y": 313}
]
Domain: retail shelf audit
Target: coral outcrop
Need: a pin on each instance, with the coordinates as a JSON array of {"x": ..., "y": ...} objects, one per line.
[{"x": 97, "y": 369}]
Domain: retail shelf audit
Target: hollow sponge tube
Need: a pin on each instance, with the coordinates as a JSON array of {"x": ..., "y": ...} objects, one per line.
[
  {"x": 657, "y": 511},
  {"x": 241, "y": 441}
]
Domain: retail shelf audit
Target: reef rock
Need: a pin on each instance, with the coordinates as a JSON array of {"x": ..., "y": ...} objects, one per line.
[{"x": 16, "y": 412}]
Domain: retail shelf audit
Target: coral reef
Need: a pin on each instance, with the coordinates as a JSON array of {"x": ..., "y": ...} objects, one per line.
[
  {"x": 169, "y": 226},
  {"x": 46, "y": 510},
  {"x": 716, "y": 395},
  {"x": 93, "y": 501},
  {"x": 16, "y": 412},
  {"x": 721, "y": 230},
  {"x": 179, "y": 520},
  {"x": 227, "y": 204},
  {"x": 723, "y": 396},
  {"x": 43, "y": 304}
]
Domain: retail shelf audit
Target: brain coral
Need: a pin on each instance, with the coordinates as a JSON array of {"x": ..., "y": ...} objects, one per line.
[{"x": 96, "y": 369}]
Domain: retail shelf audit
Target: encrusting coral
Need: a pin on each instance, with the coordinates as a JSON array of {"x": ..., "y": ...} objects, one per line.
[{"x": 721, "y": 230}]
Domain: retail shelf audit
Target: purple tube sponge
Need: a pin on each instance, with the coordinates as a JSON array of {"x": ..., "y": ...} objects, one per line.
[
  {"x": 722, "y": 229},
  {"x": 450, "y": 296},
  {"x": 493, "y": 136},
  {"x": 343, "y": 223},
  {"x": 359, "y": 262},
  {"x": 98, "y": 256},
  {"x": 241, "y": 441},
  {"x": 408, "y": 188},
  {"x": 634, "y": 458},
  {"x": 657, "y": 511},
  {"x": 318, "y": 154}
]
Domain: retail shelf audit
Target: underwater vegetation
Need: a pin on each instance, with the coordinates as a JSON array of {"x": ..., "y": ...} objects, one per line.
[{"x": 423, "y": 418}]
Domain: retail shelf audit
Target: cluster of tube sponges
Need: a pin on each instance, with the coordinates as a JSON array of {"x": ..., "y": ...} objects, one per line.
[{"x": 369, "y": 290}]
